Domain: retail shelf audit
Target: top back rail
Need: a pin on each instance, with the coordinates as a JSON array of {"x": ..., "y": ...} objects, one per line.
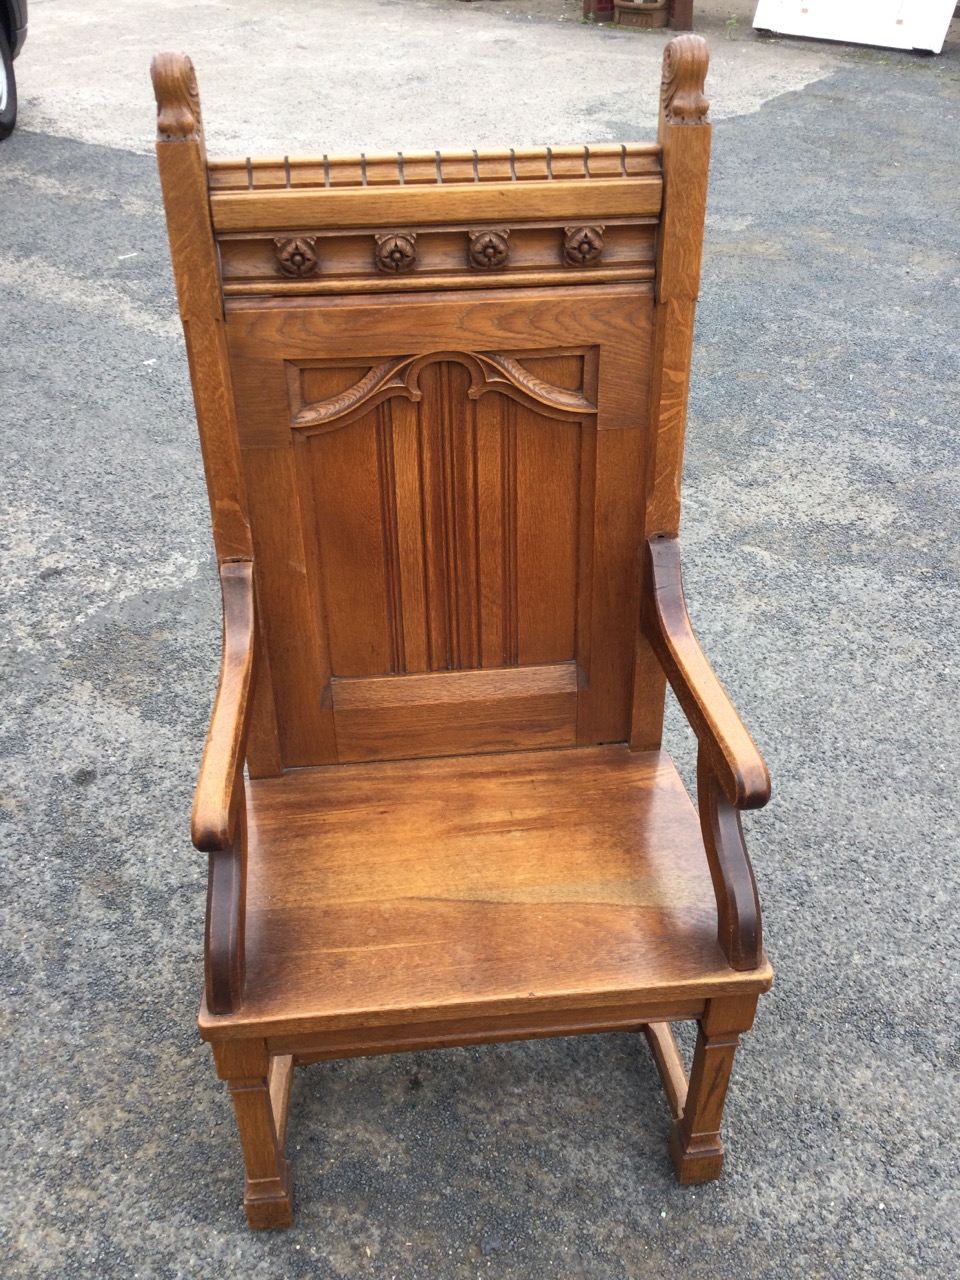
[
  {"x": 438, "y": 168},
  {"x": 454, "y": 489},
  {"x": 567, "y": 182}
]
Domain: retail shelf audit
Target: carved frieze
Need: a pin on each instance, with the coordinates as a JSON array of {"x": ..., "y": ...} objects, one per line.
[
  {"x": 297, "y": 257},
  {"x": 583, "y": 246},
  {"x": 312, "y": 261}
]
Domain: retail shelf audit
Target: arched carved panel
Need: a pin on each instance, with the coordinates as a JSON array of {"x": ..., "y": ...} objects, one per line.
[
  {"x": 400, "y": 376},
  {"x": 447, "y": 518}
]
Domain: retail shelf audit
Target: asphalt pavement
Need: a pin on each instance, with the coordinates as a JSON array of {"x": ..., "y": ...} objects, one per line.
[{"x": 822, "y": 555}]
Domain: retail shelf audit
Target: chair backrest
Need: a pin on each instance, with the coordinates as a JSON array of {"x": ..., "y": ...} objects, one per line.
[{"x": 441, "y": 400}]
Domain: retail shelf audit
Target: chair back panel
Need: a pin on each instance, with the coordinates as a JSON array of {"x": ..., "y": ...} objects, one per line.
[
  {"x": 456, "y": 390},
  {"x": 451, "y": 485}
]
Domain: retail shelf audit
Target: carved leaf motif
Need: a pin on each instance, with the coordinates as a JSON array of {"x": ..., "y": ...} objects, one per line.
[
  {"x": 297, "y": 257},
  {"x": 488, "y": 249},
  {"x": 546, "y": 393},
  {"x": 320, "y": 412},
  {"x": 583, "y": 246},
  {"x": 396, "y": 252},
  {"x": 178, "y": 99},
  {"x": 401, "y": 377},
  {"x": 685, "y": 62}
]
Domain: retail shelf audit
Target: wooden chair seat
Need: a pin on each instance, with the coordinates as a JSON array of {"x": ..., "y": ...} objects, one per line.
[{"x": 475, "y": 898}]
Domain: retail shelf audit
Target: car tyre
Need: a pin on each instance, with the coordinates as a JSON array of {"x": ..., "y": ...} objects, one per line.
[{"x": 8, "y": 89}]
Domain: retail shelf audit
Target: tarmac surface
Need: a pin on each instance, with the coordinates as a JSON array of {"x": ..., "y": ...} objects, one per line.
[{"x": 822, "y": 555}]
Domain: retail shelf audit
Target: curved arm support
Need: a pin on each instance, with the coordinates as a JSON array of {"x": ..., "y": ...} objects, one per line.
[
  {"x": 224, "y": 959},
  {"x": 735, "y": 760},
  {"x": 738, "y": 904},
  {"x": 731, "y": 774},
  {"x": 219, "y": 808},
  {"x": 215, "y": 812}
]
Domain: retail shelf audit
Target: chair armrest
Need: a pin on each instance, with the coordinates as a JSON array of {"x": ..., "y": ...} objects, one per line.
[
  {"x": 721, "y": 733},
  {"x": 213, "y": 826},
  {"x": 731, "y": 774},
  {"x": 219, "y": 808}
]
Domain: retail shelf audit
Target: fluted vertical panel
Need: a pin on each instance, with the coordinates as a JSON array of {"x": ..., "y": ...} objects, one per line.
[
  {"x": 448, "y": 528},
  {"x": 390, "y": 536},
  {"x": 508, "y": 502}
]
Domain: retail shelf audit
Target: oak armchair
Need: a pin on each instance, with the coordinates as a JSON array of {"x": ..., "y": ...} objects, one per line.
[{"x": 441, "y": 401}]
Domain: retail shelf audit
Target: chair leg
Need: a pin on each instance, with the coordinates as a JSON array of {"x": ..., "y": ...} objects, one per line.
[
  {"x": 695, "y": 1137},
  {"x": 260, "y": 1088}
]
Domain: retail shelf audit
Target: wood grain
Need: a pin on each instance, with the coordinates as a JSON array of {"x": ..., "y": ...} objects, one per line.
[
  {"x": 618, "y": 315},
  {"x": 731, "y": 774},
  {"x": 292, "y": 619},
  {"x": 669, "y": 1065},
  {"x": 695, "y": 1143},
  {"x": 279, "y": 1081},
  {"x": 181, "y": 157},
  {"x": 260, "y": 1095},
  {"x": 375, "y": 207},
  {"x": 739, "y": 930},
  {"x": 182, "y": 162},
  {"x": 214, "y": 812},
  {"x": 624, "y": 1015},
  {"x": 721, "y": 733},
  {"x": 466, "y": 509},
  {"x": 614, "y": 588},
  {"x": 264, "y": 755},
  {"x": 225, "y": 932},
  {"x": 455, "y": 712},
  {"x": 475, "y": 886},
  {"x": 218, "y": 826},
  {"x": 345, "y": 259},
  {"x": 432, "y": 168},
  {"x": 685, "y": 63},
  {"x": 685, "y": 138}
]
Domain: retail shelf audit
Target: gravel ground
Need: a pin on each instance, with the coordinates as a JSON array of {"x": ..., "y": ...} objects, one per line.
[{"x": 821, "y": 545}]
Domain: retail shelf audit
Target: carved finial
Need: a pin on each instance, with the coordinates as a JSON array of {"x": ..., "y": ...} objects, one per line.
[
  {"x": 178, "y": 101},
  {"x": 685, "y": 62}
]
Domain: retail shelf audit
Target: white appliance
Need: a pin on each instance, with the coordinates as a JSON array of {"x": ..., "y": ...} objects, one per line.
[{"x": 897, "y": 24}]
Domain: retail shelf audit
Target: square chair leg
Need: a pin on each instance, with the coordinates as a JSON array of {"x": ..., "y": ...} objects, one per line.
[
  {"x": 695, "y": 1137},
  {"x": 260, "y": 1088}
]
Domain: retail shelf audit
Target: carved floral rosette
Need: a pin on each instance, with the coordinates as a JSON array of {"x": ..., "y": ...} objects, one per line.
[
  {"x": 582, "y": 246},
  {"x": 297, "y": 257},
  {"x": 488, "y": 249},
  {"x": 395, "y": 253}
]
